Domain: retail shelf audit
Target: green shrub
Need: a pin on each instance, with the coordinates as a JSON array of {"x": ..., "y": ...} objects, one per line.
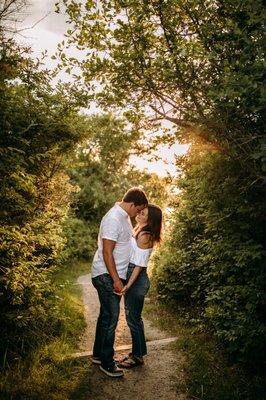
[
  {"x": 31, "y": 313},
  {"x": 81, "y": 239},
  {"x": 213, "y": 263},
  {"x": 39, "y": 129}
]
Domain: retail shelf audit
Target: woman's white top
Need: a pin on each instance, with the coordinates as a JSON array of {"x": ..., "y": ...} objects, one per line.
[{"x": 139, "y": 257}]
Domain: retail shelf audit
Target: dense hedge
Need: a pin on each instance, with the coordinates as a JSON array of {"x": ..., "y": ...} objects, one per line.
[
  {"x": 39, "y": 127},
  {"x": 213, "y": 265}
]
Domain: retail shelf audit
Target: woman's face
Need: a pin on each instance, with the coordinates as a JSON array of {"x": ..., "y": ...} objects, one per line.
[{"x": 142, "y": 216}]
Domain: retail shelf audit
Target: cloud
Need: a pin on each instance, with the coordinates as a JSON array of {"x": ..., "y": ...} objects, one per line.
[{"x": 37, "y": 10}]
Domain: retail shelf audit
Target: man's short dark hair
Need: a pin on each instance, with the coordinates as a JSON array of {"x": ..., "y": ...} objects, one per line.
[{"x": 135, "y": 195}]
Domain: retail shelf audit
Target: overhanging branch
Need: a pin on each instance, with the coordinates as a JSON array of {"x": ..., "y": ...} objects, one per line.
[{"x": 176, "y": 121}]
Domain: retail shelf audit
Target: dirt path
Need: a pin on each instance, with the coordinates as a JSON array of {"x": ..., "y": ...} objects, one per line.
[{"x": 160, "y": 377}]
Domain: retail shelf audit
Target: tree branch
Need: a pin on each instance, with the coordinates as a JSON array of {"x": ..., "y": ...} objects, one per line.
[
  {"x": 177, "y": 121},
  {"x": 178, "y": 72}
]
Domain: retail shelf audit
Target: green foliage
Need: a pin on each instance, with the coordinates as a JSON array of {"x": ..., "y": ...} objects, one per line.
[
  {"x": 209, "y": 375},
  {"x": 100, "y": 164},
  {"x": 198, "y": 64},
  {"x": 49, "y": 372},
  {"x": 209, "y": 372},
  {"x": 217, "y": 269},
  {"x": 48, "y": 375},
  {"x": 39, "y": 128},
  {"x": 81, "y": 239},
  {"x": 30, "y": 311}
]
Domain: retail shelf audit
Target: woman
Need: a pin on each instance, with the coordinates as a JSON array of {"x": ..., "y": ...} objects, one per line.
[{"x": 145, "y": 235}]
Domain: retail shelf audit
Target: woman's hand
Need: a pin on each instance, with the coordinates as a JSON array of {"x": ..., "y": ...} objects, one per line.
[{"x": 123, "y": 291}]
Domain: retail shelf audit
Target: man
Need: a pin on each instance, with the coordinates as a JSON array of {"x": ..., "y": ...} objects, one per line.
[{"x": 109, "y": 270}]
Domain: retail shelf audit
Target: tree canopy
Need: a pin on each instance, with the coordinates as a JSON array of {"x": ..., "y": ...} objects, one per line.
[{"x": 199, "y": 64}]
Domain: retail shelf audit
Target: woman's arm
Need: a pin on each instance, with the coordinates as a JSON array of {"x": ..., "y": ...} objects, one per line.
[
  {"x": 135, "y": 273},
  {"x": 133, "y": 277}
]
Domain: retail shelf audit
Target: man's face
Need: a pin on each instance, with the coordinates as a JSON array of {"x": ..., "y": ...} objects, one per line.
[{"x": 134, "y": 210}]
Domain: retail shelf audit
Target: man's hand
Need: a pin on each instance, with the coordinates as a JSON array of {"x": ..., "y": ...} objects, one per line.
[{"x": 118, "y": 286}]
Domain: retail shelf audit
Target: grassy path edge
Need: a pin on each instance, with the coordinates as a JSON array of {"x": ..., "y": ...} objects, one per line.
[{"x": 209, "y": 373}]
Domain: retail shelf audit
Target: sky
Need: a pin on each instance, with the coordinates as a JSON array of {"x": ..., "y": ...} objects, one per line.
[{"x": 45, "y": 29}]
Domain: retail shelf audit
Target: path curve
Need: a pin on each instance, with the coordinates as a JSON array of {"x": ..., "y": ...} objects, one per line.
[{"x": 162, "y": 376}]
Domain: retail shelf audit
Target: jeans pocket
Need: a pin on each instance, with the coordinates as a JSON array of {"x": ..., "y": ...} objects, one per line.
[
  {"x": 106, "y": 281},
  {"x": 103, "y": 281}
]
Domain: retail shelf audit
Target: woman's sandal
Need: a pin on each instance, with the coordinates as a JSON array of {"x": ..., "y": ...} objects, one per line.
[{"x": 130, "y": 362}]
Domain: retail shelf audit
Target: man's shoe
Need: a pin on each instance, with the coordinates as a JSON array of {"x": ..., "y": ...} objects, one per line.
[
  {"x": 114, "y": 372},
  {"x": 96, "y": 360}
]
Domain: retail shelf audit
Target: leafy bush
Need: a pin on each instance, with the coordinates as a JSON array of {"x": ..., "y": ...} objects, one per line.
[
  {"x": 39, "y": 128},
  {"x": 81, "y": 239},
  {"x": 213, "y": 263},
  {"x": 30, "y": 313}
]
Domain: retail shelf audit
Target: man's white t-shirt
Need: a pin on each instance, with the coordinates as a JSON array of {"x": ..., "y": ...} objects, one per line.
[{"x": 116, "y": 226}]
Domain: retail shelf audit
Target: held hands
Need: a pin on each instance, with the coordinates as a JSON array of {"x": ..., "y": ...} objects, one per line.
[
  {"x": 124, "y": 290},
  {"x": 118, "y": 286},
  {"x": 120, "y": 290}
]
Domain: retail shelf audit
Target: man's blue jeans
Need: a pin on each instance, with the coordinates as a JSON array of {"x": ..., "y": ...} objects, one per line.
[
  {"x": 134, "y": 301},
  {"x": 107, "y": 320}
]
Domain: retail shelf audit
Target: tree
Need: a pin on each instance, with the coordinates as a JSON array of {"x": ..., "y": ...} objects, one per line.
[
  {"x": 198, "y": 64},
  {"x": 9, "y": 14}
]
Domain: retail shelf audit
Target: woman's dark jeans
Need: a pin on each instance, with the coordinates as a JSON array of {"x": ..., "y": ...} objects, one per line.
[
  {"x": 134, "y": 301},
  {"x": 107, "y": 320}
]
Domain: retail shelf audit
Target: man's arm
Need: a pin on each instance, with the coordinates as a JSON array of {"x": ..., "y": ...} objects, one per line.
[{"x": 108, "y": 248}]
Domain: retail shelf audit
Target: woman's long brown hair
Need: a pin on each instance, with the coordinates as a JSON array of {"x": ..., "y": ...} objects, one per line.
[{"x": 154, "y": 225}]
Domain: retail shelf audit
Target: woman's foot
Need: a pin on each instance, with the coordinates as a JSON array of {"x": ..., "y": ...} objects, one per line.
[{"x": 130, "y": 361}]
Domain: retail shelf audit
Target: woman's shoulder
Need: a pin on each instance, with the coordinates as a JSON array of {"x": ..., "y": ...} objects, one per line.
[{"x": 144, "y": 240}]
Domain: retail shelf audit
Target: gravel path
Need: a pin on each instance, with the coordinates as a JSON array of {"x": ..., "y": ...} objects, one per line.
[{"x": 160, "y": 378}]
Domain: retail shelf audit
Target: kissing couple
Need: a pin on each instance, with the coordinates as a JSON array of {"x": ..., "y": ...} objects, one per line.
[{"x": 119, "y": 268}]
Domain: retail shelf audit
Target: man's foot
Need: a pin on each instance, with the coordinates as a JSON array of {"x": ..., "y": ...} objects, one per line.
[
  {"x": 96, "y": 360},
  {"x": 114, "y": 372}
]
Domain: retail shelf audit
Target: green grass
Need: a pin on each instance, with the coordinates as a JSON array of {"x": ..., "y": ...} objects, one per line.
[
  {"x": 49, "y": 372},
  {"x": 69, "y": 274},
  {"x": 209, "y": 374},
  {"x": 70, "y": 294}
]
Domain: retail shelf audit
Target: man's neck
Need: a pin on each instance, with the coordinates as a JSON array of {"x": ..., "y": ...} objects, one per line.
[{"x": 123, "y": 205}]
